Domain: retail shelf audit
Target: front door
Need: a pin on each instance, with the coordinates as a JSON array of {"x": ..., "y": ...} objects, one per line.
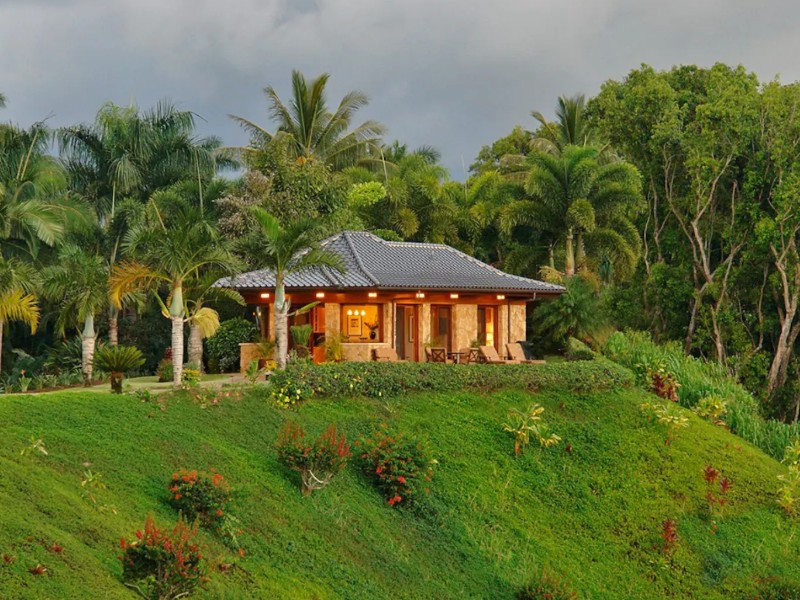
[{"x": 406, "y": 332}]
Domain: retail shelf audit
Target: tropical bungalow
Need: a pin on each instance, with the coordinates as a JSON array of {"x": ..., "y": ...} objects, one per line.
[{"x": 406, "y": 296}]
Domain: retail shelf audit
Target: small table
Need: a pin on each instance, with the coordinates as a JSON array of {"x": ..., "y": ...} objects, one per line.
[{"x": 456, "y": 356}]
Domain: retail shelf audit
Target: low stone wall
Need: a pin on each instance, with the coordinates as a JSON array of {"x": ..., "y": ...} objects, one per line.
[
  {"x": 361, "y": 352},
  {"x": 247, "y": 353}
]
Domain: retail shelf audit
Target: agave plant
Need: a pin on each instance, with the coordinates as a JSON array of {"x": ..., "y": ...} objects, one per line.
[{"x": 118, "y": 360}]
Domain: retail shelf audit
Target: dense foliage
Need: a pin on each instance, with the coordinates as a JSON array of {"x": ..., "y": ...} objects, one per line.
[{"x": 223, "y": 346}]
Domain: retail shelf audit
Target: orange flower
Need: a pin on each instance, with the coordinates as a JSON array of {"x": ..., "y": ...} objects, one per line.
[
  {"x": 401, "y": 479},
  {"x": 178, "y": 496},
  {"x": 219, "y": 512}
]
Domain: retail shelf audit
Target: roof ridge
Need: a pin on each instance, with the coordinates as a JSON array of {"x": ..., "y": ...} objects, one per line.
[
  {"x": 359, "y": 262},
  {"x": 480, "y": 263}
]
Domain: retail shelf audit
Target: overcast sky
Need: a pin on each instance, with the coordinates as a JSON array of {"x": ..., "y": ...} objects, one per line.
[{"x": 452, "y": 74}]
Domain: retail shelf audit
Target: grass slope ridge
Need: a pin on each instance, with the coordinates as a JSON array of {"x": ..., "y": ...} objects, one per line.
[{"x": 490, "y": 524}]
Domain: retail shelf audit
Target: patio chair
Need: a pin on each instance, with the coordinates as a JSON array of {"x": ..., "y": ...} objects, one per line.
[
  {"x": 489, "y": 356},
  {"x": 385, "y": 355},
  {"x": 516, "y": 352},
  {"x": 436, "y": 355},
  {"x": 470, "y": 356}
]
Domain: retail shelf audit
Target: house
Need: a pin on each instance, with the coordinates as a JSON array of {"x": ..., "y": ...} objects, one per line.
[{"x": 404, "y": 295}]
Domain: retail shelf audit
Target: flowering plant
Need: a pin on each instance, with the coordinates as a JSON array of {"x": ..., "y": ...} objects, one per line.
[
  {"x": 200, "y": 495},
  {"x": 316, "y": 462},
  {"x": 163, "y": 564},
  {"x": 400, "y": 466}
]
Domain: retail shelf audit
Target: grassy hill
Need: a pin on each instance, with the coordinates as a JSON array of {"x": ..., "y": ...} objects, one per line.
[{"x": 492, "y": 522}]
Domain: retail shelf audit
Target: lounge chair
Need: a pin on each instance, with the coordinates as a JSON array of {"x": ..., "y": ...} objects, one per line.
[
  {"x": 516, "y": 352},
  {"x": 385, "y": 355},
  {"x": 489, "y": 356},
  {"x": 436, "y": 355}
]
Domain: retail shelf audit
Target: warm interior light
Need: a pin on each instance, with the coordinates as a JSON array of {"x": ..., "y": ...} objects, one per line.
[
  {"x": 349, "y": 313},
  {"x": 454, "y": 296},
  {"x": 363, "y": 313},
  {"x": 320, "y": 294},
  {"x": 501, "y": 296},
  {"x": 373, "y": 294},
  {"x": 265, "y": 295},
  {"x": 420, "y": 294}
]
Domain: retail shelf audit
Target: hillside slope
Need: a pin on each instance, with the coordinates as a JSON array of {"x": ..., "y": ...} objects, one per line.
[{"x": 594, "y": 516}]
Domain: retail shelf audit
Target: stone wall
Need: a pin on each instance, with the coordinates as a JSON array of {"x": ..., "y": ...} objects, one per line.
[{"x": 465, "y": 325}]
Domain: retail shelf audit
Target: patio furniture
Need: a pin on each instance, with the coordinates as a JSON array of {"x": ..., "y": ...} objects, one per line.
[
  {"x": 459, "y": 357},
  {"x": 489, "y": 356},
  {"x": 436, "y": 355},
  {"x": 385, "y": 355},
  {"x": 516, "y": 352},
  {"x": 470, "y": 356}
]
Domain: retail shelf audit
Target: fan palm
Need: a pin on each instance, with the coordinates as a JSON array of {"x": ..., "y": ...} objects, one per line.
[
  {"x": 18, "y": 301},
  {"x": 78, "y": 284},
  {"x": 284, "y": 250},
  {"x": 311, "y": 131},
  {"x": 169, "y": 249}
]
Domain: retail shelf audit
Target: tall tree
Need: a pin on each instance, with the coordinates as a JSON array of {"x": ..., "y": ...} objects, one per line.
[
  {"x": 172, "y": 246},
  {"x": 571, "y": 127},
  {"x": 310, "y": 130},
  {"x": 78, "y": 284},
  {"x": 286, "y": 249}
]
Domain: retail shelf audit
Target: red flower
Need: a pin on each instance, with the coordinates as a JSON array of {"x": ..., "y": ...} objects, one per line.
[
  {"x": 139, "y": 534},
  {"x": 401, "y": 479},
  {"x": 122, "y": 543},
  {"x": 379, "y": 470},
  {"x": 219, "y": 512}
]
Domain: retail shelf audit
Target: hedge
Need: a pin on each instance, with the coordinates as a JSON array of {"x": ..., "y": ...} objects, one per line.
[{"x": 373, "y": 379}]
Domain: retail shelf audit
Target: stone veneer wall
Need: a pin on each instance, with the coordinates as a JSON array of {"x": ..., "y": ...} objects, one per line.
[{"x": 465, "y": 325}]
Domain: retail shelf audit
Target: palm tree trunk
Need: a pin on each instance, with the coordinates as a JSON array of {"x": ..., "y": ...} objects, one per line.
[
  {"x": 551, "y": 259},
  {"x": 87, "y": 349},
  {"x": 580, "y": 252},
  {"x": 195, "y": 346},
  {"x": 177, "y": 350},
  {"x": 281, "y": 327},
  {"x": 570, "y": 258},
  {"x": 113, "y": 326},
  {"x": 176, "y": 314},
  {"x": 1, "y": 345}
]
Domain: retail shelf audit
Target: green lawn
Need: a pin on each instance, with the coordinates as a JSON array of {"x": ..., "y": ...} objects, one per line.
[
  {"x": 593, "y": 515},
  {"x": 148, "y": 382}
]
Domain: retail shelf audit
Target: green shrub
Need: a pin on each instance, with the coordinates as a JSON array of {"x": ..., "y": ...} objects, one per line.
[
  {"x": 163, "y": 564},
  {"x": 301, "y": 379},
  {"x": 318, "y": 461},
  {"x": 164, "y": 370},
  {"x": 547, "y": 587},
  {"x": 700, "y": 379},
  {"x": 398, "y": 465},
  {"x": 200, "y": 496},
  {"x": 577, "y": 350},
  {"x": 223, "y": 346}
]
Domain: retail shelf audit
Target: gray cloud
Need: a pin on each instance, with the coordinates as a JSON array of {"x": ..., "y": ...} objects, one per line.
[{"x": 455, "y": 75}]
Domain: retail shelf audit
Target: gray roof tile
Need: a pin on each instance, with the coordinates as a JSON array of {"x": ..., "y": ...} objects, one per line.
[{"x": 371, "y": 262}]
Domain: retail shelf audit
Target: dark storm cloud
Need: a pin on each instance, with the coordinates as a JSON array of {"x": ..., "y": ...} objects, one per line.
[{"x": 455, "y": 75}]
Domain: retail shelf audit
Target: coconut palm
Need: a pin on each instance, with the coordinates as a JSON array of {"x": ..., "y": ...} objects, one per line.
[
  {"x": 310, "y": 130},
  {"x": 170, "y": 248},
  {"x": 284, "y": 250},
  {"x": 18, "y": 301},
  {"x": 78, "y": 284}
]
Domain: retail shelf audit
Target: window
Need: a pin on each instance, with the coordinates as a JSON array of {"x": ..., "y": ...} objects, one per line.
[
  {"x": 362, "y": 322},
  {"x": 487, "y": 321},
  {"x": 441, "y": 327}
]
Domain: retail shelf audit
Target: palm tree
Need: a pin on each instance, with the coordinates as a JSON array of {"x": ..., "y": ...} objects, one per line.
[
  {"x": 286, "y": 250},
  {"x": 130, "y": 154},
  {"x": 78, "y": 283},
  {"x": 584, "y": 203},
  {"x": 170, "y": 248},
  {"x": 203, "y": 320},
  {"x": 17, "y": 299},
  {"x": 576, "y": 313},
  {"x": 310, "y": 130}
]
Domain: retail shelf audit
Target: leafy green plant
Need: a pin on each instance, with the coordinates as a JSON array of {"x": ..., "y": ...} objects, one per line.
[
  {"x": 547, "y": 587},
  {"x": 223, "y": 346},
  {"x": 301, "y": 337},
  {"x": 35, "y": 446},
  {"x": 253, "y": 372},
  {"x": 333, "y": 346},
  {"x": 318, "y": 461},
  {"x": 789, "y": 491},
  {"x": 713, "y": 408},
  {"x": 201, "y": 496},
  {"x": 398, "y": 465},
  {"x": 663, "y": 384},
  {"x": 666, "y": 416},
  {"x": 526, "y": 424},
  {"x": 163, "y": 564},
  {"x": 23, "y": 382},
  {"x": 577, "y": 350},
  {"x": 190, "y": 376},
  {"x": 118, "y": 360}
]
